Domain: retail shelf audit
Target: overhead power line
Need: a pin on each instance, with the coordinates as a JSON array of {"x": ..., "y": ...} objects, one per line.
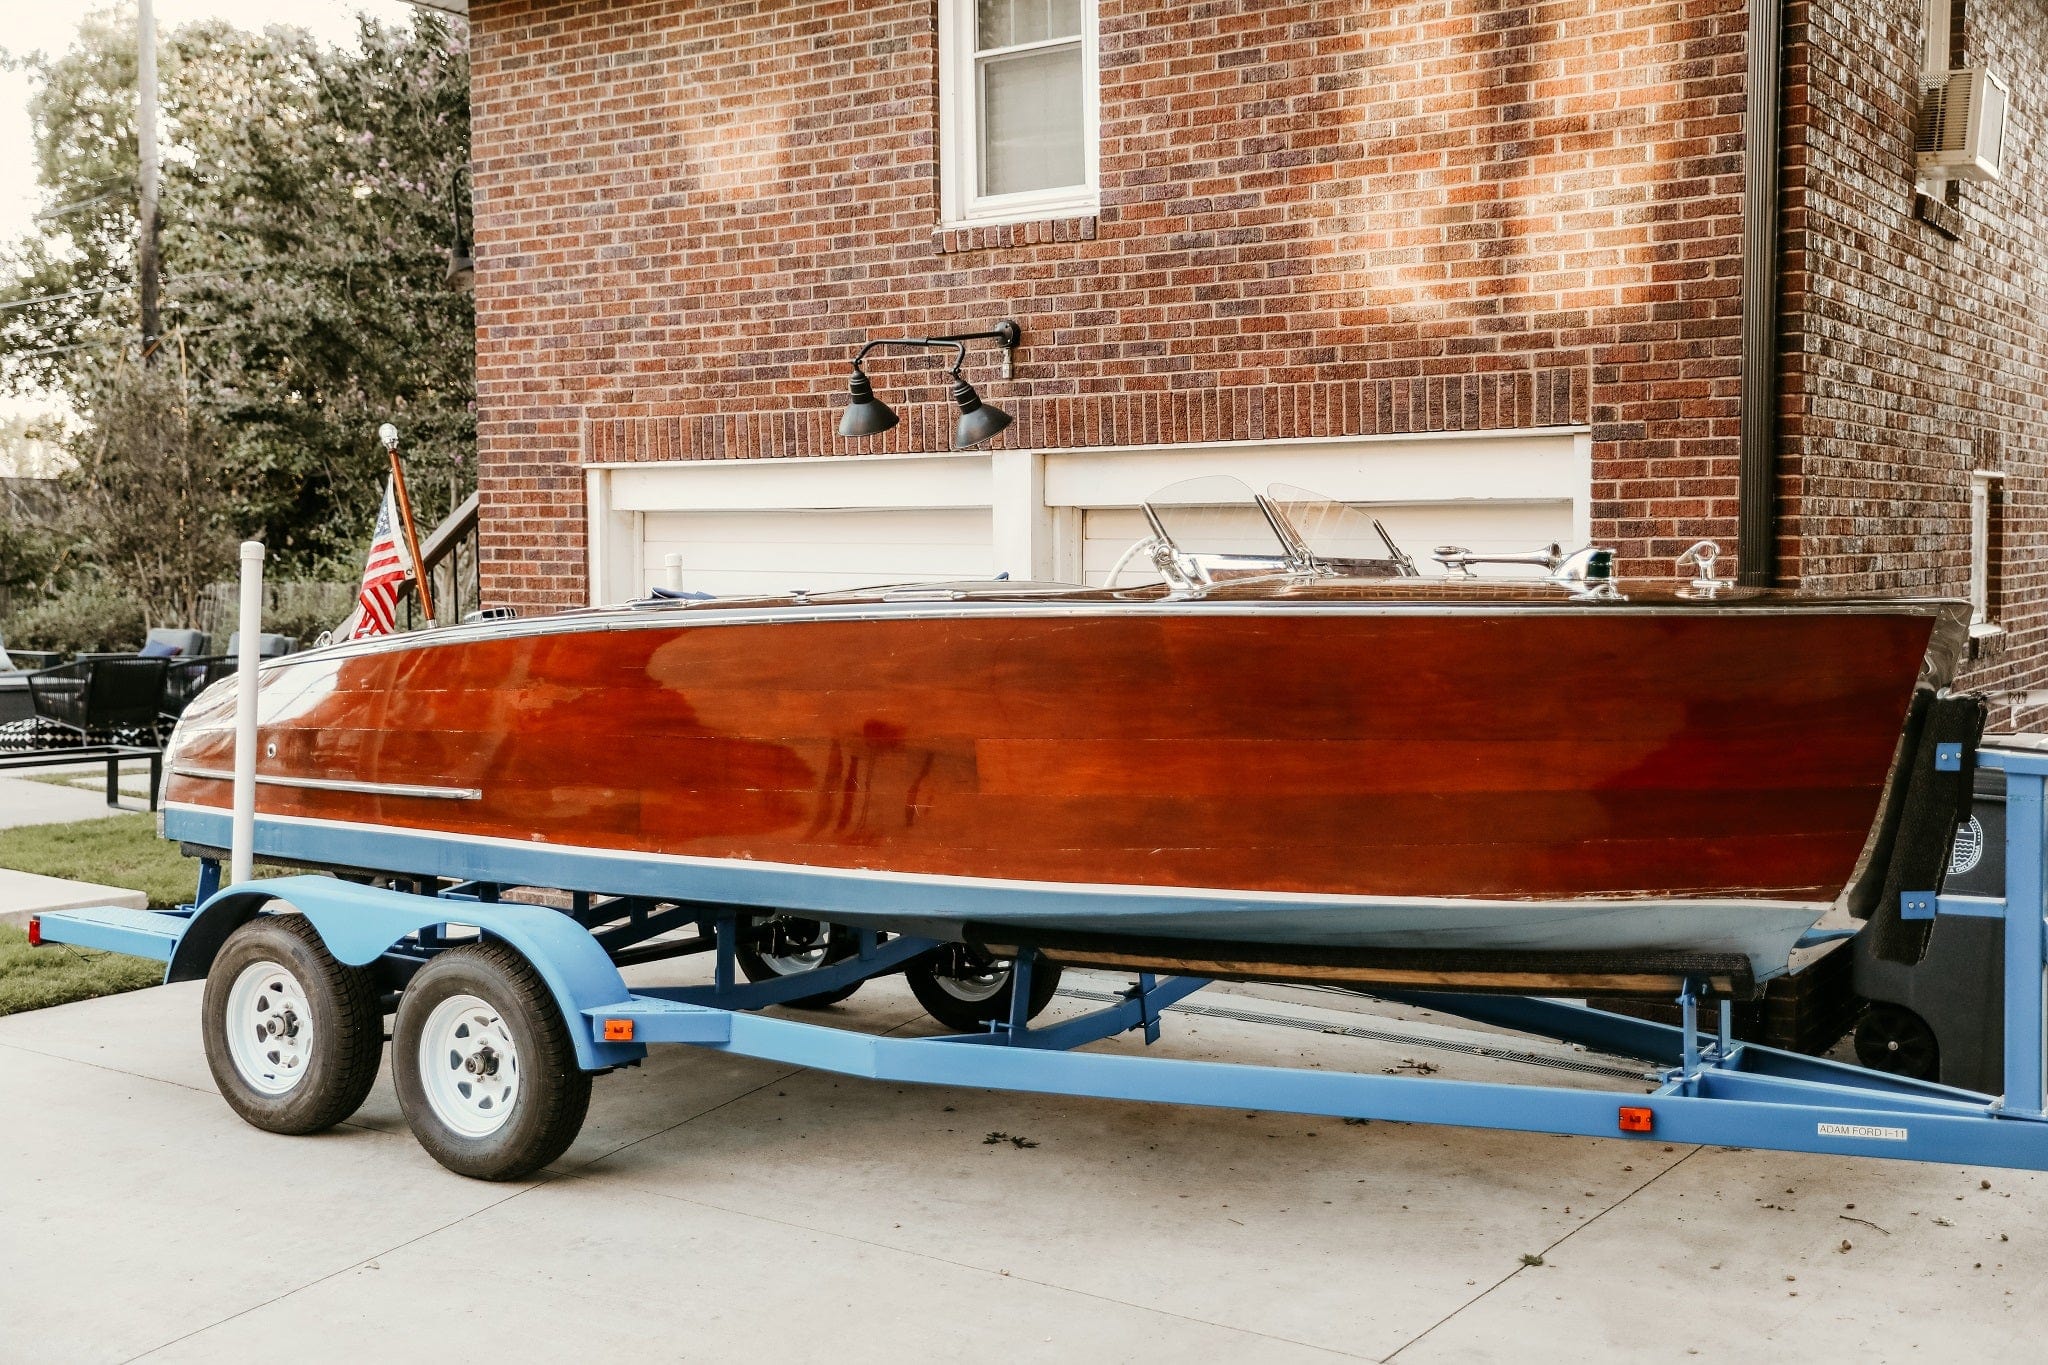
[
  {"x": 62, "y": 209},
  {"x": 108, "y": 341},
  {"x": 11, "y": 304}
]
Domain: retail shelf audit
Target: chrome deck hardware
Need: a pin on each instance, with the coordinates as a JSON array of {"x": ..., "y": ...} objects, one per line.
[
  {"x": 1589, "y": 572},
  {"x": 1702, "y": 555},
  {"x": 1458, "y": 560}
]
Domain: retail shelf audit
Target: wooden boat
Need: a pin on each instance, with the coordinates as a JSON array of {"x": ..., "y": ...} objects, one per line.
[{"x": 1547, "y": 784}]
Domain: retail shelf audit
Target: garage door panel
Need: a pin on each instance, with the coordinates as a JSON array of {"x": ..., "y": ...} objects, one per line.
[{"x": 729, "y": 553}]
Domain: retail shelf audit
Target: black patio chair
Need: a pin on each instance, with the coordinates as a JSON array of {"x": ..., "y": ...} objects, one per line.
[
  {"x": 185, "y": 679},
  {"x": 98, "y": 711},
  {"x": 99, "y": 701}
]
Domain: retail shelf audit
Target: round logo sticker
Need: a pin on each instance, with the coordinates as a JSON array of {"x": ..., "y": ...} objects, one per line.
[{"x": 1969, "y": 848}]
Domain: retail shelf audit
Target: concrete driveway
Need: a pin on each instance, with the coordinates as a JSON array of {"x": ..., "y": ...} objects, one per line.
[{"x": 720, "y": 1208}]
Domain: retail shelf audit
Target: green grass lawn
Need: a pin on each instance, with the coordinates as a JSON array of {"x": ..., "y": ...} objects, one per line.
[
  {"x": 120, "y": 850},
  {"x": 56, "y": 974}
]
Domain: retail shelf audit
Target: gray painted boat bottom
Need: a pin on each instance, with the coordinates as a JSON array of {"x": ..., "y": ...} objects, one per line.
[{"x": 718, "y": 1207}]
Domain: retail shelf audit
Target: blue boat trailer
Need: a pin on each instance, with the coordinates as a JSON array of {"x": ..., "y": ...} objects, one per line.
[{"x": 508, "y": 1045}]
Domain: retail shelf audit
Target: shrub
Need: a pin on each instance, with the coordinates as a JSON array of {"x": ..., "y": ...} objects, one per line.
[
  {"x": 306, "y": 614},
  {"x": 93, "y": 617}
]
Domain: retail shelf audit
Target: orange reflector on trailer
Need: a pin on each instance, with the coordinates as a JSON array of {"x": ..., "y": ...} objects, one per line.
[
  {"x": 618, "y": 1030},
  {"x": 1636, "y": 1119},
  {"x": 35, "y": 931}
]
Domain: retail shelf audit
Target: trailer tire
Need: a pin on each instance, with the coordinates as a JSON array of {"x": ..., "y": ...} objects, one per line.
[
  {"x": 501, "y": 1094},
  {"x": 282, "y": 1073},
  {"x": 958, "y": 985},
  {"x": 757, "y": 966}
]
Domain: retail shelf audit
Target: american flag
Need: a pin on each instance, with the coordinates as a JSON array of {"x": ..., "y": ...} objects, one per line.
[{"x": 387, "y": 569}]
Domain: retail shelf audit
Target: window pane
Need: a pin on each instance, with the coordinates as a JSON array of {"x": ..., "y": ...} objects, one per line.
[
  {"x": 992, "y": 23},
  {"x": 1005, "y": 23},
  {"x": 1031, "y": 122}
]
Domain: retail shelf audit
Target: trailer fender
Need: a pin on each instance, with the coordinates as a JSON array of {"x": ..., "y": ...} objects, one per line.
[{"x": 360, "y": 923}]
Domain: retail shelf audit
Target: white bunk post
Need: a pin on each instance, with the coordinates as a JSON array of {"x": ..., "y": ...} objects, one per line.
[{"x": 242, "y": 851}]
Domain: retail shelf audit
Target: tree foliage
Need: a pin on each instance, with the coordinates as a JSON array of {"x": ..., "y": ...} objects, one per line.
[
  {"x": 306, "y": 205},
  {"x": 149, "y": 496}
]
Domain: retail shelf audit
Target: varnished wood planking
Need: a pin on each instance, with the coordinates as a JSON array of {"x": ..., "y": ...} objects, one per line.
[{"x": 856, "y": 744}]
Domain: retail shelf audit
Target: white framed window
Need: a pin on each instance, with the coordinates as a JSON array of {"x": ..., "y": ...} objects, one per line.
[
  {"x": 1987, "y": 542},
  {"x": 1019, "y": 109}
]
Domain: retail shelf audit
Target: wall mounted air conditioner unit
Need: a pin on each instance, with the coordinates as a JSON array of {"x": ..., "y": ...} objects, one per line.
[{"x": 1962, "y": 126}]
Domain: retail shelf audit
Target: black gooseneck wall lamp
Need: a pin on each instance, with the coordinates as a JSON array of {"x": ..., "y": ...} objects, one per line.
[{"x": 867, "y": 415}]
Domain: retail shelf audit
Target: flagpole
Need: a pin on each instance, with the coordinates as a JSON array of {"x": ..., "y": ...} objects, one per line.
[{"x": 389, "y": 433}]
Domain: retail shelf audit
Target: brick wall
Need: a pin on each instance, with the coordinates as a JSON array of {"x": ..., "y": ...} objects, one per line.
[
  {"x": 1316, "y": 220},
  {"x": 1913, "y": 356}
]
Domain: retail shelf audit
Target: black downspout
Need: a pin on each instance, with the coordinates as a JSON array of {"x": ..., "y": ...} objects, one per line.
[{"x": 1756, "y": 503}]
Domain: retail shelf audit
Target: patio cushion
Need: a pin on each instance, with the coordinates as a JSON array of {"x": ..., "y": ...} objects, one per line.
[
  {"x": 267, "y": 646},
  {"x": 188, "y": 642}
]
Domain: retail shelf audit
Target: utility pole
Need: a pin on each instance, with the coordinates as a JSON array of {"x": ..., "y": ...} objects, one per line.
[{"x": 147, "y": 266}]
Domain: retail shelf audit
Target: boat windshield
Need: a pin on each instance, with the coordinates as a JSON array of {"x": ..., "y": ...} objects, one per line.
[
  {"x": 1215, "y": 528},
  {"x": 1338, "y": 535}
]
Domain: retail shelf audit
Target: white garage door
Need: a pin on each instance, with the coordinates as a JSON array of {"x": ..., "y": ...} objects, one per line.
[
  {"x": 768, "y": 526},
  {"x": 733, "y": 553}
]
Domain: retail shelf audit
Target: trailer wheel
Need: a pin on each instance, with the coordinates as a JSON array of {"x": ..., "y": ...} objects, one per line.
[
  {"x": 790, "y": 945},
  {"x": 293, "y": 1037},
  {"x": 485, "y": 1070},
  {"x": 1892, "y": 1038},
  {"x": 967, "y": 989}
]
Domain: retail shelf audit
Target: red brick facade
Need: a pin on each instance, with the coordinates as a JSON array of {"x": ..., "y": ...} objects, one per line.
[
  {"x": 1913, "y": 356},
  {"x": 1315, "y": 220}
]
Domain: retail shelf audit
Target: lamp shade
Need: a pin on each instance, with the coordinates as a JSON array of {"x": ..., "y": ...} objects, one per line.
[
  {"x": 866, "y": 415},
  {"x": 979, "y": 421}
]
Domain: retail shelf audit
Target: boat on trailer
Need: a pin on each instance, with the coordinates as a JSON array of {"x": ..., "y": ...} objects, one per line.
[
  {"x": 1280, "y": 762},
  {"x": 1291, "y": 758}
]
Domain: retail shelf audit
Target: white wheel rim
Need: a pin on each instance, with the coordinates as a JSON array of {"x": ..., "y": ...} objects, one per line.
[
  {"x": 269, "y": 1027},
  {"x": 469, "y": 1066},
  {"x": 979, "y": 984},
  {"x": 800, "y": 959}
]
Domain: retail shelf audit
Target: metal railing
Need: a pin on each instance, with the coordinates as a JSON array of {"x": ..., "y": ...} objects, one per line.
[{"x": 449, "y": 556}]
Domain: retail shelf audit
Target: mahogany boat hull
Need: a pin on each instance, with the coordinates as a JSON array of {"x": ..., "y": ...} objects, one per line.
[{"x": 1378, "y": 768}]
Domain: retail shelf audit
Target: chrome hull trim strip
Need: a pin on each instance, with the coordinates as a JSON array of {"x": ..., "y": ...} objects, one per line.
[{"x": 333, "y": 784}]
